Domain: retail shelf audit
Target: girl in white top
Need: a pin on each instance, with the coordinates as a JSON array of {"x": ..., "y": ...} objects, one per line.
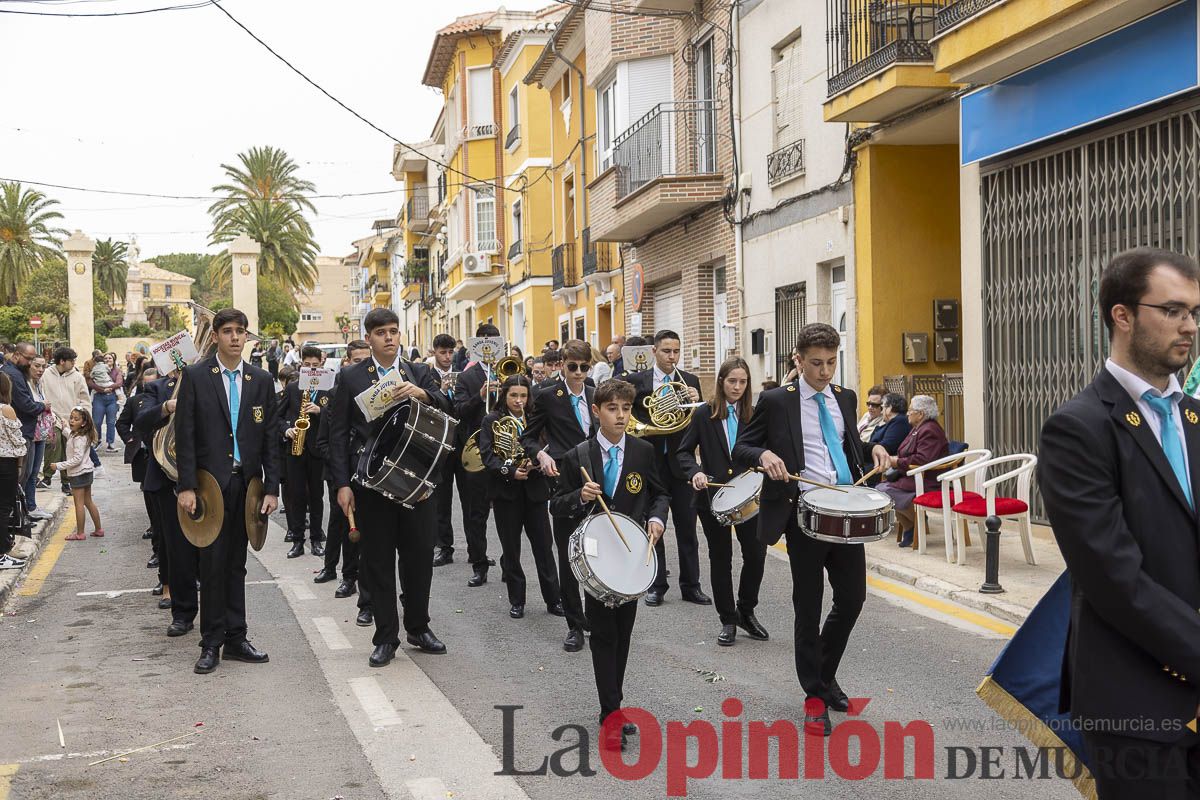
[{"x": 78, "y": 466}]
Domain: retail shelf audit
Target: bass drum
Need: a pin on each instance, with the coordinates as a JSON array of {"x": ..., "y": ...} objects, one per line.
[{"x": 404, "y": 460}]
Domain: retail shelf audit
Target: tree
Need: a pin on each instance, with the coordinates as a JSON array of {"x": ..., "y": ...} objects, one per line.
[
  {"x": 276, "y": 305},
  {"x": 44, "y": 292},
  {"x": 14, "y": 324},
  {"x": 343, "y": 322},
  {"x": 111, "y": 266},
  {"x": 28, "y": 236}
]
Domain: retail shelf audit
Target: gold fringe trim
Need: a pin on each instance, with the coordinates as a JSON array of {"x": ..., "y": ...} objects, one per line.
[{"x": 1008, "y": 707}]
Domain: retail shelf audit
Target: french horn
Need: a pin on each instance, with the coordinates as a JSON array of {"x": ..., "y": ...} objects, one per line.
[{"x": 670, "y": 408}]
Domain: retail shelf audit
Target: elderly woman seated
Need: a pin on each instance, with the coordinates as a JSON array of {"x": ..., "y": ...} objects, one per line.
[{"x": 925, "y": 442}]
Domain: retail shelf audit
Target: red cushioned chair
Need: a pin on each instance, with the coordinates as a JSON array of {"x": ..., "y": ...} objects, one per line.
[
  {"x": 978, "y": 509},
  {"x": 951, "y": 492}
]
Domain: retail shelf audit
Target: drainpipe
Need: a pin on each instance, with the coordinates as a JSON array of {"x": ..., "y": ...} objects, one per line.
[
  {"x": 738, "y": 252},
  {"x": 582, "y": 135}
]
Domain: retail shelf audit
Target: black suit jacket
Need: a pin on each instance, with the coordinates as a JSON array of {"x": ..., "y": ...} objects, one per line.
[
  {"x": 289, "y": 410},
  {"x": 469, "y": 407},
  {"x": 204, "y": 434},
  {"x": 643, "y": 381},
  {"x": 649, "y": 500},
  {"x": 135, "y": 448},
  {"x": 501, "y": 485},
  {"x": 715, "y": 460},
  {"x": 776, "y": 426},
  {"x": 349, "y": 429},
  {"x": 1129, "y": 538},
  {"x": 146, "y": 423},
  {"x": 23, "y": 403},
  {"x": 552, "y": 421}
]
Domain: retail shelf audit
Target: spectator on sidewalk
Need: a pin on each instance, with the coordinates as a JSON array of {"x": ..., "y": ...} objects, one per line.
[
  {"x": 925, "y": 442},
  {"x": 894, "y": 428},
  {"x": 28, "y": 410},
  {"x": 64, "y": 388},
  {"x": 874, "y": 416},
  {"x": 104, "y": 398},
  {"x": 79, "y": 471},
  {"x": 12, "y": 451},
  {"x": 42, "y": 431}
]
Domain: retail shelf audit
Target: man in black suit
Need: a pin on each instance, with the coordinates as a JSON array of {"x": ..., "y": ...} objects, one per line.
[
  {"x": 561, "y": 418},
  {"x": 1119, "y": 468},
  {"x": 389, "y": 530},
  {"x": 226, "y": 426},
  {"x": 470, "y": 404},
  {"x": 136, "y": 456},
  {"x": 305, "y": 495},
  {"x": 648, "y": 382},
  {"x": 633, "y": 488},
  {"x": 443, "y": 366},
  {"x": 808, "y": 428},
  {"x": 182, "y": 557}
]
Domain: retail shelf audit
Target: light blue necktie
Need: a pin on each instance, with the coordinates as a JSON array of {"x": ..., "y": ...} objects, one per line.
[
  {"x": 731, "y": 425},
  {"x": 383, "y": 371},
  {"x": 612, "y": 471},
  {"x": 1165, "y": 407},
  {"x": 662, "y": 389},
  {"x": 235, "y": 403},
  {"x": 833, "y": 442},
  {"x": 575, "y": 401}
]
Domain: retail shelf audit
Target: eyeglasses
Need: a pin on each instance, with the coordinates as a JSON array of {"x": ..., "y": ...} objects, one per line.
[
  {"x": 1175, "y": 312},
  {"x": 571, "y": 366},
  {"x": 874, "y": 405}
]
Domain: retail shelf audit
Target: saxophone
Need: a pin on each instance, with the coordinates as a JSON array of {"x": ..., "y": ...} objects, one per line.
[{"x": 302, "y": 424}]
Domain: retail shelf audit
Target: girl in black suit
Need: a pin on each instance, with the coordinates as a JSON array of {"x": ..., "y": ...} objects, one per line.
[
  {"x": 714, "y": 429},
  {"x": 519, "y": 498}
]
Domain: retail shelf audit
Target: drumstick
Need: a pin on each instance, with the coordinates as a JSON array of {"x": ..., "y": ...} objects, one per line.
[
  {"x": 869, "y": 474},
  {"x": 604, "y": 505},
  {"x": 798, "y": 479},
  {"x": 353, "y": 535}
]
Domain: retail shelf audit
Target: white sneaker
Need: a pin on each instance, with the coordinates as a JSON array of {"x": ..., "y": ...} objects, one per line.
[
  {"x": 39, "y": 514},
  {"x": 8, "y": 562}
]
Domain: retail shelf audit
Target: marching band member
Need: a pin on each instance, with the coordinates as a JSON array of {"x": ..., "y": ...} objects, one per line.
[
  {"x": 443, "y": 365},
  {"x": 715, "y": 429},
  {"x": 470, "y": 400},
  {"x": 647, "y": 382},
  {"x": 561, "y": 416},
  {"x": 235, "y": 444},
  {"x": 136, "y": 456},
  {"x": 388, "y": 529},
  {"x": 305, "y": 497},
  {"x": 518, "y": 497},
  {"x": 628, "y": 469},
  {"x": 807, "y": 428}
]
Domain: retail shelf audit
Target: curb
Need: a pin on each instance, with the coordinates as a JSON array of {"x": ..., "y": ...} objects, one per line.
[
  {"x": 11, "y": 579},
  {"x": 991, "y": 604}
]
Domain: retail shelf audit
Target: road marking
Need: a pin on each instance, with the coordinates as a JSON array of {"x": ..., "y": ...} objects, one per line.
[
  {"x": 374, "y": 702},
  {"x": 6, "y": 773},
  {"x": 301, "y": 591},
  {"x": 89, "y": 754},
  {"x": 334, "y": 639},
  {"x": 115, "y": 593},
  {"x": 47, "y": 560},
  {"x": 426, "y": 789}
]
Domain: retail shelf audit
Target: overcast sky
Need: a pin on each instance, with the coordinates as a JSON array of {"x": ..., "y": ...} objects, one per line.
[{"x": 156, "y": 103}]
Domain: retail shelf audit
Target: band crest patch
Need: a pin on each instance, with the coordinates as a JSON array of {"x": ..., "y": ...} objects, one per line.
[
  {"x": 633, "y": 482},
  {"x": 259, "y": 415},
  {"x": 1133, "y": 418}
]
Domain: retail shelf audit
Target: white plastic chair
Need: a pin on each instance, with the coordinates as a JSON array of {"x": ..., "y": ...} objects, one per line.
[
  {"x": 966, "y": 466},
  {"x": 1006, "y": 507}
]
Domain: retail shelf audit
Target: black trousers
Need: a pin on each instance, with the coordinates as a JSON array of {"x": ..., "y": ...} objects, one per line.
[
  {"x": 612, "y": 629},
  {"x": 472, "y": 492},
  {"x": 684, "y": 513},
  {"x": 1133, "y": 769},
  {"x": 338, "y": 544},
  {"x": 223, "y": 574},
  {"x": 305, "y": 489},
  {"x": 720, "y": 566},
  {"x": 158, "y": 541},
  {"x": 183, "y": 558},
  {"x": 390, "y": 531},
  {"x": 443, "y": 497},
  {"x": 568, "y": 584},
  {"x": 819, "y": 648},
  {"x": 511, "y": 516}
]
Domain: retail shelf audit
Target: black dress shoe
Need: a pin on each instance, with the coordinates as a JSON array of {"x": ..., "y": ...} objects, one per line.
[
  {"x": 629, "y": 729},
  {"x": 753, "y": 628},
  {"x": 152, "y": 563},
  {"x": 479, "y": 578},
  {"x": 345, "y": 589},
  {"x": 427, "y": 642},
  {"x": 728, "y": 636},
  {"x": 146, "y": 534},
  {"x": 325, "y": 575},
  {"x": 818, "y": 724},
  {"x": 165, "y": 603},
  {"x": 157, "y": 590},
  {"x": 209, "y": 658},
  {"x": 318, "y": 547},
  {"x": 653, "y": 598},
  {"x": 698, "y": 597},
  {"x": 444, "y": 556},
  {"x": 290, "y": 536},
  {"x": 836, "y": 699},
  {"x": 365, "y": 618},
  {"x": 244, "y": 651},
  {"x": 178, "y": 627},
  {"x": 574, "y": 641},
  {"x": 517, "y": 612},
  {"x": 557, "y": 610},
  {"x": 382, "y": 654},
  {"x": 297, "y": 550}
]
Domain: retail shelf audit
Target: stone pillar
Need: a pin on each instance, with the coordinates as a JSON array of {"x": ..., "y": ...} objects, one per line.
[
  {"x": 135, "y": 310},
  {"x": 243, "y": 253},
  {"x": 78, "y": 250}
]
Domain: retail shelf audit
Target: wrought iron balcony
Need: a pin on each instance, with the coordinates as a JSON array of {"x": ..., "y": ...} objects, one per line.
[
  {"x": 955, "y": 13},
  {"x": 562, "y": 261},
  {"x": 514, "y": 135},
  {"x": 597, "y": 256},
  {"x": 868, "y": 36},
  {"x": 515, "y": 249},
  {"x": 676, "y": 138},
  {"x": 481, "y": 131},
  {"x": 786, "y": 162},
  {"x": 418, "y": 207}
]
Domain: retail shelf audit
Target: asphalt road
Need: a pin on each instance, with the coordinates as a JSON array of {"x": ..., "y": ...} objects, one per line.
[{"x": 318, "y": 723}]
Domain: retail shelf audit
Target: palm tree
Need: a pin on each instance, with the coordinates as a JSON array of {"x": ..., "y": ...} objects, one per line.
[
  {"x": 111, "y": 265},
  {"x": 27, "y": 235}
]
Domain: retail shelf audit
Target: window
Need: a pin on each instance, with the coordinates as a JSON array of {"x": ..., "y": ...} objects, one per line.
[
  {"x": 484, "y": 222},
  {"x": 706, "y": 117},
  {"x": 788, "y": 87},
  {"x": 564, "y": 330},
  {"x": 514, "y": 108},
  {"x": 145, "y": 290},
  {"x": 167, "y": 290},
  {"x": 606, "y": 123},
  {"x": 580, "y": 329},
  {"x": 311, "y": 316},
  {"x": 569, "y": 231},
  {"x": 479, "y": 102},
  {"x": 516, "y": 221}
]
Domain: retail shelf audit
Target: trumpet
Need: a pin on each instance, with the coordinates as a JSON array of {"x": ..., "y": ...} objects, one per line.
[
  {"x": 302, "y": 424},
  {"x": 670, "y": 409}
]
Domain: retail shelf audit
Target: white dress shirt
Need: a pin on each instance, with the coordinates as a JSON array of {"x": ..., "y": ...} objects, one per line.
[
  {"x": 379, "y": 368},
  {"x": 660, "y": 376},
  {"x": 818, "y": 465},
  {"x": 1136, "y": 387},
  {"x": 584, "y": 411},
  {"x": 241, "y": 374},
  {"x": 605, "y": 447}
]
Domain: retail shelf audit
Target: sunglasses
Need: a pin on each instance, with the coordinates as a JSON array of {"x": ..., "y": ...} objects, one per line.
[
  {"x": 573, "y": 367},
  {"x": 874, "y": 405}
]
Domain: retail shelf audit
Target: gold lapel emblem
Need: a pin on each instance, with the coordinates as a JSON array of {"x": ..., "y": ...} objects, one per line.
[
  {"x": 837, "y": 388},
  {"x": 1191, "y": 417},
  {"x": 1133, "y": 418},
  {"x": 216, "y": 371},
  {"x": 559, "y": 393},
  {"x": 248, "y": 376},
  {"x": 324, "y": 401},
  {"x": 258, "y": 413},
  {"x": 371, "y": 368},
  {"x": 633, "y": 482},
  {"x": 170, "y": 384},
  {"x": 791, "y": 387}
]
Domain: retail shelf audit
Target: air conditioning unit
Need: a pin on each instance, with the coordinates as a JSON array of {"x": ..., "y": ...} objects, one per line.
[{"x": 476, "y": 263}]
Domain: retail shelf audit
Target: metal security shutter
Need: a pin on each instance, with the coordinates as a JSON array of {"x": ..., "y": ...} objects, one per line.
[
  {"x": 668, "y": 307},
  {"x": 649, "y": 84},
  {"x": 789, "y": 94}
]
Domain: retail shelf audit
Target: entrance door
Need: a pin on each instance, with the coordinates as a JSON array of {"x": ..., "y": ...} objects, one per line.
[{"x": 838, "y": 309}]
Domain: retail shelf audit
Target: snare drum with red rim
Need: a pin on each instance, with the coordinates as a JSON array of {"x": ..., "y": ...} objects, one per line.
[
  {"x": 846, "y": 515},
  {"x": 737, "y": 501}
]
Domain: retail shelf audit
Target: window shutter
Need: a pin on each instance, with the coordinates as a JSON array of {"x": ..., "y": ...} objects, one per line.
[
  {"x": 479, "y": 96},
  {"x": 649, "y": 84},
  {"x": 789, "y": 88}
]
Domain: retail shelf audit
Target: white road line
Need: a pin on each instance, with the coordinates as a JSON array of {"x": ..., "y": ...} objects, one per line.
[
  {"x": 374, "y": 702},
  {"x": 334, "y": 639},
  {"x": 114, "y": 593},
  {"x": 90, "y": 754},
  {"x": 300, "y": 591},
  {"x": 426, "y": 789}
]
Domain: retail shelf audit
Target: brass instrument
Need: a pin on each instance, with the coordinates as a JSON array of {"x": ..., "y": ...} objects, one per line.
[
  {"x": 670, "y": 409},
  {"x": 302, "y": 424},
  {"x": 505, "y": 368},
  {"x": 506, "y": 444}
]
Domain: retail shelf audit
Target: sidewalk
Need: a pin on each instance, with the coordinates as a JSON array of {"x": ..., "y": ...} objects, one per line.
[
  {"x": 1024, "y": 584},
  {"x": 56, "y": 503}
]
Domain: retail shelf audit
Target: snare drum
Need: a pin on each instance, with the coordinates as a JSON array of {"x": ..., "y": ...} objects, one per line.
[
  {"x": 403, "y": 461},
  {"x": 602, "y": 565},
  {"x": 737, "y": 501},
  {"x": 853, "y": 515}
]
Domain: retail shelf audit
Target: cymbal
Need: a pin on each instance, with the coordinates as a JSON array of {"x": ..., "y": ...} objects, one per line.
[
  {"x": 203, "y": 528},
  {"x": 256, "y": 522}
]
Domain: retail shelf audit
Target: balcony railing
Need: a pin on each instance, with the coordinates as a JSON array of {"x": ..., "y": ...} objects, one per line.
[
  {"x": 597, "y": 257},
  {"x": 514, "y": 135},
  {"x": 868, "y": 36},
  {"x": 480, "y": 131},
  {"x": 955, "y": 13},
  {"x": 562, "y": 261},
  {"x": 786, "y": 162},
  {"x": 676, "y": 138},
  {"x": 418, "y": 204},
  {"x": 515, "y": 249}
]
